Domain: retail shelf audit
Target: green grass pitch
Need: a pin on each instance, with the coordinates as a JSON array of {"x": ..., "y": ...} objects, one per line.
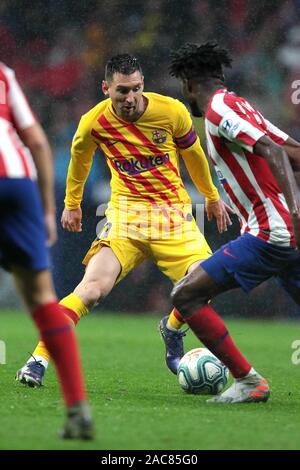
[{"x": 137, "y": 403}]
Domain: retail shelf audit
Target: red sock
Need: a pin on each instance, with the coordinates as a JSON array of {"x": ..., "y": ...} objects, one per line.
[
  {"x": 70, "y": 314},
  {"x": 178, "y": 316},
  {"x": 211, "y": 330},
  {"x": 59, "y": 337}
]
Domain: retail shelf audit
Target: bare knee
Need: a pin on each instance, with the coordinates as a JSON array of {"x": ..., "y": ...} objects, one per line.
[
  {"x": 101, "y": 274},
  {"x": 92, "y": 292}
]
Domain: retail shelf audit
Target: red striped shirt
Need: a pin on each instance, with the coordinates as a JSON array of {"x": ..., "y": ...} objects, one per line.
[
  {"x": 15, "y": 114},
  {"x": 233, "y": 127}
]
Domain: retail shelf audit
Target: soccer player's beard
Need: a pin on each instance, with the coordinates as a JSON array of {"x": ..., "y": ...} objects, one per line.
[
  {"x": 129, "y": 117},
  {"x": 139, "y": 110},
  {"x": 195, "y": 109}
]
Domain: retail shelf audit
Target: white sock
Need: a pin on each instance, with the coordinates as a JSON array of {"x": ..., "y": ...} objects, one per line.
[{"x": 252, "y": 372}]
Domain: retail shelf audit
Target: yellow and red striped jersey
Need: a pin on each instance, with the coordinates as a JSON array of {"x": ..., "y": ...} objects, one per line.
[{"x": 143, "y": 156}]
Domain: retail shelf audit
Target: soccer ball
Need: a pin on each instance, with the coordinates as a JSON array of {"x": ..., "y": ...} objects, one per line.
[{"x": 200, "y": 372}]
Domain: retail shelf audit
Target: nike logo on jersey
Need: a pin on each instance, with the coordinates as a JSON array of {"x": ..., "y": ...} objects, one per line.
[
  {"x": 228, "y": 254},
  {"x": 109, "y": 144}
]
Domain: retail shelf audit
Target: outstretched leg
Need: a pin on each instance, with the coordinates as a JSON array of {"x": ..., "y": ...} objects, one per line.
[
  {"x": 99, "y": 278},
  {"x": 190, "y": 296}
]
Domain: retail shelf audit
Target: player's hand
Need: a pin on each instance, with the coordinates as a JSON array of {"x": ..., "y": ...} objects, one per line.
[
  {"x": 71, "y": 220},
  {"x": 296, "y": 225},
  {"x": 220, "y": 211},
  {"x": 51, "y": 229}
]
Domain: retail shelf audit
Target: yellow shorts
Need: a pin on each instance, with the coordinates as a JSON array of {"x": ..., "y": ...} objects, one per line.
[{"x": 173, "y": 255}]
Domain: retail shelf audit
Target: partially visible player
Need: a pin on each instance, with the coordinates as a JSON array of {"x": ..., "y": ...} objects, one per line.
[
  {"x": 251, "y": 157},
  {"x": 142, "y": 136},
  {"x": 24, "y": 155}
]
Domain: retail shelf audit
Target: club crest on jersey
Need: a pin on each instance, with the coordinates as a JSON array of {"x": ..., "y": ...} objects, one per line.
[{"x": 159, "y": 136}]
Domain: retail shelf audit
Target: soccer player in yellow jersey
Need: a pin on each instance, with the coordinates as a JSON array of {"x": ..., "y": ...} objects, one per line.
[{"x": 142, "y": 136}]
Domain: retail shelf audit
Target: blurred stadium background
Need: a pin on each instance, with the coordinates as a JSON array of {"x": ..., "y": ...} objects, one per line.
[{"x": 58, "y": 50}]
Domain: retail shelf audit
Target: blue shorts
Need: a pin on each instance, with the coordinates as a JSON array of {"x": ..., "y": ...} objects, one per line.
[
  {"x": 22, "y": 229},
  {"x": 248, "y": 261}
]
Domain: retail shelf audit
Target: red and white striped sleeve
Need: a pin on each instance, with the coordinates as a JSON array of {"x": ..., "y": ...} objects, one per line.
[
  {"x": 276, "y": 134},
  {"x": 237, "y": 129},
  {"x": 241, "y": 123},
  {"x": 21, "y": 111}
]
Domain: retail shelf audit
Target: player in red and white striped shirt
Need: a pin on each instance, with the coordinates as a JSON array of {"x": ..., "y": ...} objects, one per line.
[
  {"x": 15, "y": 115},
  {"x": 23, "y": 219},
  {"x": 247, "y": 178},
  {"x": 255, "y": 162}
]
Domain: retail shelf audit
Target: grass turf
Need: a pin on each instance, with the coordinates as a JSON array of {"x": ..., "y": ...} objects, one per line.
[{"x": 137, "y": 403}]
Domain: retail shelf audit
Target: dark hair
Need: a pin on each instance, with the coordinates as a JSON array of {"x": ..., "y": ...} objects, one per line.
[
  {"x": 121, "y": 63},
  {"x": 199, "y": 62}
]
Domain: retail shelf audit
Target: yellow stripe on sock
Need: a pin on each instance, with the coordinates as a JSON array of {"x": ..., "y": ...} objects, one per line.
[
  {"x": 173, "y": 322},
  {"x": 41, "y": 350},
  {"x": 73, "y": 302}
]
